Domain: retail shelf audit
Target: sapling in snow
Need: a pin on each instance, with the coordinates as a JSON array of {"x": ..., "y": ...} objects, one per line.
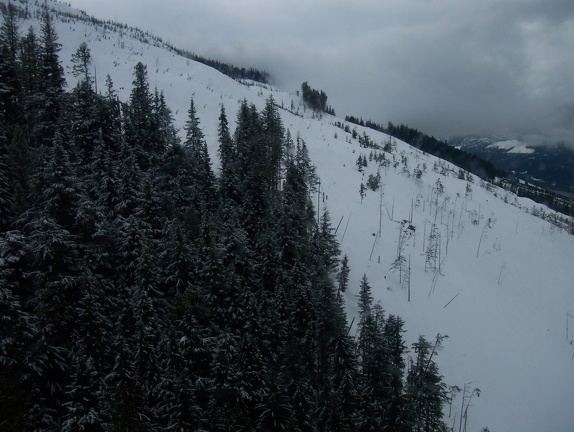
[
  {"x": 432, "y": 250},
  {"x": 374, "y": 181},
  {"x": 484, "y": 235}
]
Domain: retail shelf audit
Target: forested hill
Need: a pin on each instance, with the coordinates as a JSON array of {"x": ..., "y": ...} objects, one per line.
[
  {"x": 181, "y": 250},
  {"x": 420, "y": 140},
  {"x": 473, "y": 163},
  {"x": 140, "y": 291}
]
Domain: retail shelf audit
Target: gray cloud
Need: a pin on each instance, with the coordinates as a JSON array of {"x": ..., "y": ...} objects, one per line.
[{"x": 443, "y": 66}]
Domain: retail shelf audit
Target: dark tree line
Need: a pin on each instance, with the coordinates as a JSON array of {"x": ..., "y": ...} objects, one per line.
[
  {"x": 474, "y": 164},
  {"x": 431, "y": 145},
  {"x": 316, "y": 99},
  {"x": 141, "y": 291},
  {"x": 458, "y": 157},
  {"x": 232, "y": 71}
]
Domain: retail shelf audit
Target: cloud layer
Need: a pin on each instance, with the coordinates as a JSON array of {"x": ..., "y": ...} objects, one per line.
[{"x": 443, "y": 66}]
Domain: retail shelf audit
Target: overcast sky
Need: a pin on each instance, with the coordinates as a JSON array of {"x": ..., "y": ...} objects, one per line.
[{"x": 445, "y": 67}]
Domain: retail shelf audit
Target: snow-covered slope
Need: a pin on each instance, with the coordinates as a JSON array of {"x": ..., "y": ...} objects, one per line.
[{"x": 503, "y": 286}]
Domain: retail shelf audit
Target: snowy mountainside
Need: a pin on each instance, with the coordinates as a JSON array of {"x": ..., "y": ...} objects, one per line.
[{"x": 493, "y": 276}]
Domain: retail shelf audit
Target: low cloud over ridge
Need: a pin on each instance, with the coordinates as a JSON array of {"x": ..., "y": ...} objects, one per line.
[{"x": 445, "y": 67}]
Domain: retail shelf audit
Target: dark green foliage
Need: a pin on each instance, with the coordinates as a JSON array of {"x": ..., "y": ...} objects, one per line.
[
  {"x": 374, "y": 182},
  {"x": 227, "y": 153},
  {"x": 82, "y": 59},
  {"x": 199, "y": 163},
  {"x": 316, "y": 99},
  {"x": 235, "y": 72},
  {"x": 461, "y": 158},
  {"x": 273, "y": 135},
  {"x": 51, "y": 82},
  {"x": 138, "y": 291},
  {"x": 395, "y": 414},
  {"x": 374, "y": 360},
  {"x": 362, "y": 191},
  {"x": 554, "y": 200},
  {"x": 365, "y": 301},
  {"x": 425, "y": 392},
  {"x": 438, "y": 148},
  {"x": 380, "y": 351},
  {"x": 17, "y": 330},
  {"x": 139, "y": 121},
  {"x": 343, "y": 275}
]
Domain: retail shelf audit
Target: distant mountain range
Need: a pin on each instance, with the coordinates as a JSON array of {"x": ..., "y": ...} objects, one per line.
[{"x": 550, "y": 167}]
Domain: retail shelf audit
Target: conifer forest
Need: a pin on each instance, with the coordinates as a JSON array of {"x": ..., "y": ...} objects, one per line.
[{"x": 142, "y": 290}]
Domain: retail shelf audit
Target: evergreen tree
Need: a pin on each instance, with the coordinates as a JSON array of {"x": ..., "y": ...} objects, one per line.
[
  {"x": 226, "y": 151},
  {"x": 187, "y": 350},
  {"x": 17, "y": 329},
  {"x": 132, "y": 375},
  {"x": 301, "y": 358},
  {"x": 331, "y": 321},
  {"x": 374, "y": 365},
  {"x": 11, "y": 109},
  {"x": 6, "y": 197},
  {"x": 27, "y": 133},
  {"x": 110, "y": 119},
  {"x": 91, "y": 357},
  {"x": 425, "y": 391},
  {"x": 54, "y": 276},
  {"x": 141, "y": 128},
  {"x": 304, "y": 163},
  {"x": 104, "y": 186},
  {"x": 328, "y": 250},
  {"x": 128, "y": 185},
  {"x": 395, "y": 415},
  {"x": 57, "y": 187},
  {"x": 125, "y": 394},
  {"x": 81, "y": 60},
  {"x": 10, "y": 38},
  {"x": 343, "y": 275},
  {"x": 295, "y": 219},
  {"x": 227, "y": 408},
  {"x": 53, "y": 72},
  {"x": 199, "y": 167},
  {"x": 194, "y": 136},
  {"x": 167, "y": 134},
  {"x": 149, "y": 310},
  {"x": 52, "y": 82},
  {"x": 251, "y": 168},
  {"x": 316, "y": 99},
  {"x": 177, "y": 259},
  {"x": 82, "y": 111},
  {"x": 30, "y": 76},
  {"x": 346, "y": 398},
  {"x": 274, "y": 412},
  {"x": 273, "y": 135},
  {"x": 365, "y": 300}
]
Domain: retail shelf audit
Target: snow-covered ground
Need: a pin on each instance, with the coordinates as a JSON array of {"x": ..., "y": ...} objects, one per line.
[
  {"x": 504, "y": 293},
  {"x": 513, "y": 146}
]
